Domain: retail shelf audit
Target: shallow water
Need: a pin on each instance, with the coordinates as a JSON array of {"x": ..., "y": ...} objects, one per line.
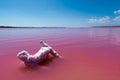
[{"x": 89, "y": 54}]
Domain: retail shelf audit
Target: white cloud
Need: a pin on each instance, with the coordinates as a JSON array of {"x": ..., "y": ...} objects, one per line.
[
  {"x": 102, "y": 20},
  {"x": 106, "y": 20},
  {"x": 117, "y": 12},
  {"x": 116, "y": 19}
]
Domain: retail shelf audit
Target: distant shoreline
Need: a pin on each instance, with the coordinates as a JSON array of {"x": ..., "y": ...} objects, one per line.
[
  {"x": 104, "y": 26},
  {"x": 28, "y": 27},
  {"x": 62, "y": 27}
]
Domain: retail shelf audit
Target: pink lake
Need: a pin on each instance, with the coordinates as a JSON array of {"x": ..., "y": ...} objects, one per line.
[{"x": 89, "y": 54}]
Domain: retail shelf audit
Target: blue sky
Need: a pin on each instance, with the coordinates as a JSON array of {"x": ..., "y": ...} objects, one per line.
[{"x": 57, "y": 13}]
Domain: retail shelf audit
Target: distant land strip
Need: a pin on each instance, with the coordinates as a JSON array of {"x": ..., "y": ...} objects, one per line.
[
  {"x": 62, "y": 27},
  {"x": 103, "y": 26},
  {"x": 27, "y": 27}
]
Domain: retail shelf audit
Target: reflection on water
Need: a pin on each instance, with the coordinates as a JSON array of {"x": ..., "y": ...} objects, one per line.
[
  {"x": 41, "y": 66},
  {"x": 110, "y": 35}
]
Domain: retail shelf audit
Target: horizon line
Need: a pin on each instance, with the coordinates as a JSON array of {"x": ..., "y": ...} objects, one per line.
[{"x": 54, "y": 27}]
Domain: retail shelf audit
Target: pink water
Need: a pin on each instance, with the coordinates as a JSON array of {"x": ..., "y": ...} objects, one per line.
[{"x": 89, "y": 54}]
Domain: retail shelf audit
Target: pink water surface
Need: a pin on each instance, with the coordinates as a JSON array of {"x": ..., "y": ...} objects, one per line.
[{"x": 89, "y": 54}]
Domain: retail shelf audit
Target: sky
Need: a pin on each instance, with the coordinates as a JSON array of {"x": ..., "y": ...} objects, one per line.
[{"x": 59, "y": 13}]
